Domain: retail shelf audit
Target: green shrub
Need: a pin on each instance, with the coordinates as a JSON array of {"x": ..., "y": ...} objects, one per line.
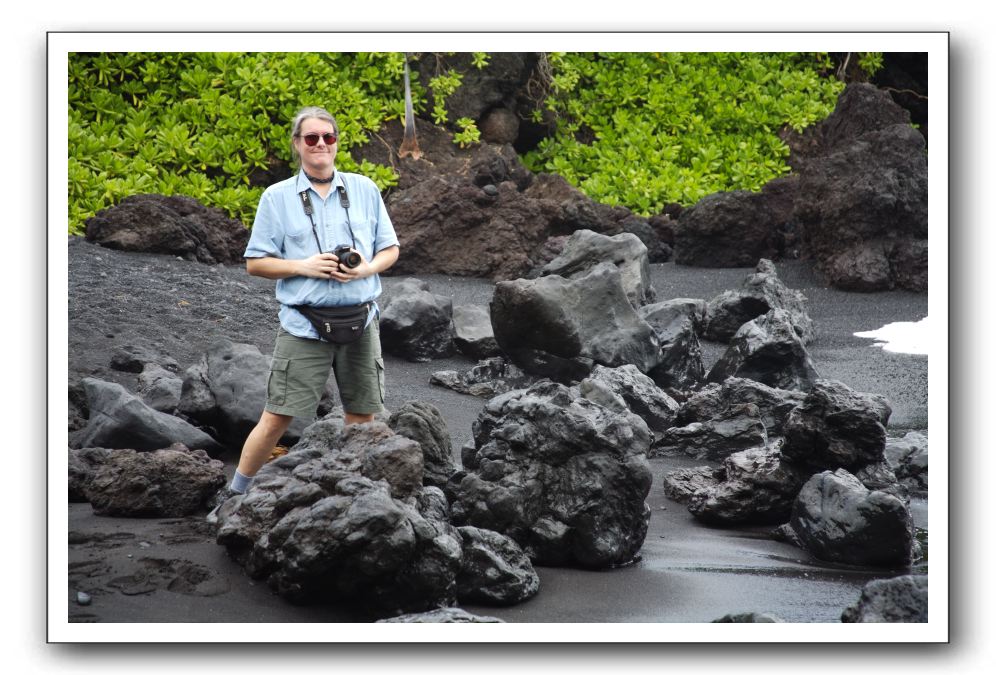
[
  {"x": 643, "y": 130},
  {"x": 637, "y": 129},
  {"x": 201, "y": 124}
]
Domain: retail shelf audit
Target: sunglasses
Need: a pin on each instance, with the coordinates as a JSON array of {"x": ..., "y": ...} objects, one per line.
[{"x": 312, "y": 139}]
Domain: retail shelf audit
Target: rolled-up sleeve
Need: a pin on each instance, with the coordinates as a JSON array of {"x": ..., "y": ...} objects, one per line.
[
  {"x": 386, "y": 236},
  {"x": 266, "y": 239}
]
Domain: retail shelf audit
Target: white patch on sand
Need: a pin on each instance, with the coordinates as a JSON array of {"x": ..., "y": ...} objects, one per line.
[{"x": 902, "y": 338}]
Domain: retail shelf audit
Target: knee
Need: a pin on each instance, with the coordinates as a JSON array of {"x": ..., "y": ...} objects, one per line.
[{"x": 272, "y": 423}]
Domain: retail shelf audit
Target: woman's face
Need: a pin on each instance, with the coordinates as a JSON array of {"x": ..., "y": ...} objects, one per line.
[{"x": 319, "y": 159}]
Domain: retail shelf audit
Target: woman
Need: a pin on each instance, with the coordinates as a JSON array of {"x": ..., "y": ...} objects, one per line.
[{"x": 299, "y": 223}]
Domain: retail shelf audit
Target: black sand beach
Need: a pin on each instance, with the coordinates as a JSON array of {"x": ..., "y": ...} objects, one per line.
[{"x": 170, "y": 570}]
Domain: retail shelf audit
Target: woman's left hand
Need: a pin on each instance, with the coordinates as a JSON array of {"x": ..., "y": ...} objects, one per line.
[{"x": 346, "y": 274}]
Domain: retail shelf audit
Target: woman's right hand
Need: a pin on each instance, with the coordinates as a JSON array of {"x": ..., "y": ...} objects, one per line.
[{"x": 319, "y": 266}]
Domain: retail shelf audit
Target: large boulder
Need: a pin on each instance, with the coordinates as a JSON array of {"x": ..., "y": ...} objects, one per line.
[
  {"x": 566, "y": 478},
  {"x": 768, "y": 350},
  {"x": 862, "y": 202},
  {"x": 226, "y": 391},
  {"x": 417, "y": 324},
  {"x": 637, "y": 391},
  {"x": 161, "y": 389},
  {"x": 585, "y": 249},
  {"x": 838, "y": 519},
  {"x": 717, "y": 400},
  {"x": 760, "y": 292},
  {"x": 560, "y": 328},
  {"x": 837, "y": 427},
  {"x": 728, "y": 229},
  {"x": 176, "y": 225},
  {"x": 83, "y": 463},
  {"x": 736, "y": 428},
  {"x": 119, "y": 419},
  {"x": 902, "y": 599},
  {"x": 907, "y": 456},
  {"x": 757, "y": 487},
  {"x": 170, "y": 482},
  {"x": 345, "y": 518},
  {"x": 479, "y": 212},
  {"x": 676, "y": 324},
  {"x": 423, "y": 423},
  {"x": 495, "y": 569},
  {"x": 473, "y": 334}
]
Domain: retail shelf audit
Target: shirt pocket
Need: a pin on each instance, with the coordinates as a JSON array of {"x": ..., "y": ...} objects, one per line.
[{"x": 298, "y": 245}]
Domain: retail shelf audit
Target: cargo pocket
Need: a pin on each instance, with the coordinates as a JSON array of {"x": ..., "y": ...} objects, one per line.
[
  {"x": 276, "y": 388},
  {"x": 380, "y": 377}
]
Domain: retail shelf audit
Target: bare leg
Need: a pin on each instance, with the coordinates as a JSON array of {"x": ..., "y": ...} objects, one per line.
[
  {"x": 261, "y": 441},
  {"x": 352, "y": 418}
]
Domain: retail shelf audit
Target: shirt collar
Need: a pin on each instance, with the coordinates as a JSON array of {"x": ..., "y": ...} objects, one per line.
[{"x": 303, "y": 183}]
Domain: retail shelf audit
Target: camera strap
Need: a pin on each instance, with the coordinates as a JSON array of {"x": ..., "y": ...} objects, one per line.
[{"x": 309, "y": 211}]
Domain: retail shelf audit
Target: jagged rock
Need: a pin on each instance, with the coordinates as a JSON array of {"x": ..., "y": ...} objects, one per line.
[
  {"x": 675, "y": 323},
  {"x": 728, "y": 229},
  {"x": 172, "y": 482},
  {"x": 564, "y": 477},
  {"x": 716, "y": 400},
  {"x": 83, "y": 462},
  {"x": 161, "y": 389},
  {"x": 444, "y": 615},
  {"x": 473, "y": 334},
  {"x": 760, "y": 293},
  {"x": 119, "y": 419},
  {"x": 664, "y": 313},
  {"x": 568, "y": 210},
  {"x": 837, "y": 427},
  {"x": 176, "y": 225},
  {"x": 679, "y": 485},
  {"x": 768, "y": 350},
  {"x": 226, "y": 391},
  {"x": 416, "y": 324},
  {"x": 344, "y": 517},
  {"x": 749, "y": 617},
  {"x": 135, "y": 358},
  {"x": 879, "y": 476},
  {"x": 838, "y": 519},
  {"x": 637, "y": 391},
  {"x": 585, "y": 249},
  {"x": 908, "y": 458},
  {"x": 902, "y": 599},
  {"x": 423, "y": 423},
  {"x": 757, "y": 488},
  {"x": 488, "y": 378},
  {"x": 560, "y": 328},
  {"x": 737, "y": 428},
  {"x": 863, "y": 199},
  {"x": 495, "y": 569}
]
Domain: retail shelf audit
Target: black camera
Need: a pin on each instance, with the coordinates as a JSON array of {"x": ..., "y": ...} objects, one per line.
[{"x": 347, "y": 256}]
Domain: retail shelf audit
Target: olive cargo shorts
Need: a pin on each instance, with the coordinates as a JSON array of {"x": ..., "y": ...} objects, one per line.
[{"x": 300, "y": 368}]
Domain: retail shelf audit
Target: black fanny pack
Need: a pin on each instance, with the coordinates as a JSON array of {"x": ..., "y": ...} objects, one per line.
[{"x": 339, "y": 325}]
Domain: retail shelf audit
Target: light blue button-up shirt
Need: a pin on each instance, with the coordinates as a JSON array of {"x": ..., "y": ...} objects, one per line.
[{"x": 283, "y": 230}]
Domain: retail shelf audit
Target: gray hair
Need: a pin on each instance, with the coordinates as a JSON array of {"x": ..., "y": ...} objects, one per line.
[{"x": 307, "y": 113}]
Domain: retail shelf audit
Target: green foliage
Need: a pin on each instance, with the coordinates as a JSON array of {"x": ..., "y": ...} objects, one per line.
[
  {"x": 645, "y": 129},
  {"x": 871, "y": 62},
  {"x": 442, "y": 86},
  {"x": 480, "y": 59},
  {"x": 468, "y": 133},
  {"x": 200, "y": 124}
]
